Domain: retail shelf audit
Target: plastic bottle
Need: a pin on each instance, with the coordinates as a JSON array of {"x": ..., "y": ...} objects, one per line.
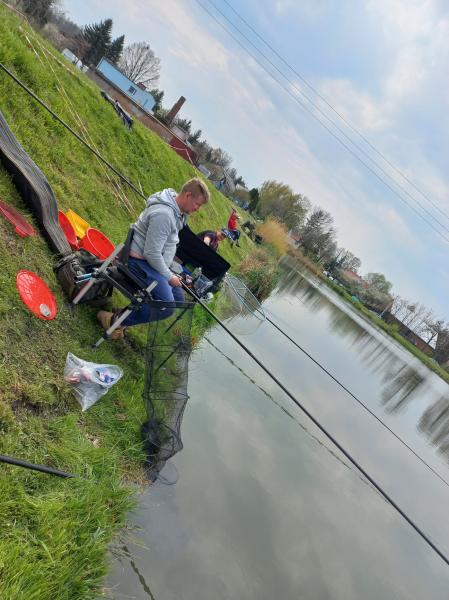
[
  {"x": 197, "y": 273},
  {"x": 202, "y": 284}
]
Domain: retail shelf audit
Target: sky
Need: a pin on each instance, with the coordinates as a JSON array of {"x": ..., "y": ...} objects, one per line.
[{"x": 340, "y": 100}]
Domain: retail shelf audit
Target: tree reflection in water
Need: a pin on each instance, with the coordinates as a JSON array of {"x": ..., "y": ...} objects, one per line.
[
  {"x": 434, "y": 423},
  {"x": 402, "y": 382}
]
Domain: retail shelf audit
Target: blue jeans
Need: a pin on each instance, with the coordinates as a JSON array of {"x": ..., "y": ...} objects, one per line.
[{"x": 163, "y": 291}]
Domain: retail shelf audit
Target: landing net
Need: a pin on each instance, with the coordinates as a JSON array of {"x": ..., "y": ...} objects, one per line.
[{"x": 169, "y": 346}]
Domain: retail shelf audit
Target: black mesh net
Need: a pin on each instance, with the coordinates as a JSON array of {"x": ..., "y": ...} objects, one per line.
[{"x": 168, "y": 351}]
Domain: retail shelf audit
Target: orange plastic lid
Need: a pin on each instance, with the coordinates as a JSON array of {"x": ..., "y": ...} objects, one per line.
[
  {"x": 36, "y": 295},
  {"x": 22, "y": 227},
  {"x": 68, "y": 229}
]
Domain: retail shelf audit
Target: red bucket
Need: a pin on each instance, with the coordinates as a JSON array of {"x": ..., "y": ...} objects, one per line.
[
  {"x": 97, "y": 243},
  {"x": 68, "y": 230}
]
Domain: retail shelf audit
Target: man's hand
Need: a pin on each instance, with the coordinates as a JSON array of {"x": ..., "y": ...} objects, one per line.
[{"x": 174, "y": 281}]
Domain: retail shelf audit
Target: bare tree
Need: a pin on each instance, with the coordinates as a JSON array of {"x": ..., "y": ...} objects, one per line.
[
  {"x": 139, "y": 63},
  {"x": 220, "y": 157},
  {"x": 432, "y": 326},
  {"x": 347, "y": 260},
  {"x": 441, "y": 353}
]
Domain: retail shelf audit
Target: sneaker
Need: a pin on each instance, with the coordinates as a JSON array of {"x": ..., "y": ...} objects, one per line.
[{"x": 106, "y": 320}]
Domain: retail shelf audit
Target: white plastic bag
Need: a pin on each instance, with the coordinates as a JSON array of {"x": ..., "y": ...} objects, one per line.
[{"x": 89, "y": 381}]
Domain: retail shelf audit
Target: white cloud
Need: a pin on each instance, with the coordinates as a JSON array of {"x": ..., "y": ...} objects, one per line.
[
  {"x": 389, "y": 219},
  {"x": 357, "y": 106},
  {"x": 282, "y": 6},
  {"x": 416, "y": 35},
  {"x": 408, "y": 19},
  {"x": 310, "y": 10},
  {"x": 192, "y": 43}
]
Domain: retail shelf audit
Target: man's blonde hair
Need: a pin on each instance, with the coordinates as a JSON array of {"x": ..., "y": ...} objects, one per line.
[{"x": 196, "y": 187}]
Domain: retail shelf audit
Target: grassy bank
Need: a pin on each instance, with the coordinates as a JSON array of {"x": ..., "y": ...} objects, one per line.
[
  {"x": 55, "y": 532},
  {"x": 391, "y": 330}
]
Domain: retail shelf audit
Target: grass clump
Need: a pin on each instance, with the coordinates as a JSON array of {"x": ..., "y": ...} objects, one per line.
[
  {"x": 259, "y": 270},
  {"x": 307, "y": 262},
  {"x": 274, "y": 233}
]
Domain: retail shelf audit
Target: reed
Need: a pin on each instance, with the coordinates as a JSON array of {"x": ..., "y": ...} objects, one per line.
[{"x": 274, "y": 233}]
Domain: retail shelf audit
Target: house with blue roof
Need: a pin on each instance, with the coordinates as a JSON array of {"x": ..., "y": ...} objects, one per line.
[{"x": 132, "y": 90}]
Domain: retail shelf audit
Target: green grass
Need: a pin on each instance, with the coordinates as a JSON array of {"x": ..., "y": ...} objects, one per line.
[{"x": 55, "y": 532}]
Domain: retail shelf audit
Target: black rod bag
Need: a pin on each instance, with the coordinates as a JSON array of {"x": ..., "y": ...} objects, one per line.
[
  {"x": 33, "y": 188},
  {"x": 195, "y": 252}
]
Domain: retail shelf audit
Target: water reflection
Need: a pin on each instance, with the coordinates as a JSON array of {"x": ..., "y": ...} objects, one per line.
[
  {"x": 435, "y": 424},
  {"x": 320, "y": 442},
  {"x": 294, "y": 283},
  {"x": 403, "y": 380}
]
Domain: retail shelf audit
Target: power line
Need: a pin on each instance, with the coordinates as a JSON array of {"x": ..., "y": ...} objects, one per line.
[
  {"x": 331, "y": 121},
  {"x": 444, "y": 237},
  {"x": 354, "y": 129}
]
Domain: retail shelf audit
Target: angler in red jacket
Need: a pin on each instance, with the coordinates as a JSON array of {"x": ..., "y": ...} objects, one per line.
[{"x": 232, "y": 226}]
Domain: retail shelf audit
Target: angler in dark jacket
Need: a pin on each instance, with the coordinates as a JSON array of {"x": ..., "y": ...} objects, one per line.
[{"x": 213, "y": 238}]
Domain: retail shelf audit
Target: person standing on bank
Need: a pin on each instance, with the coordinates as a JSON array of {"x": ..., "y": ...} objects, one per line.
[
  {"x": 232, "y": 226},
  {"x": 153, "y": 249}
]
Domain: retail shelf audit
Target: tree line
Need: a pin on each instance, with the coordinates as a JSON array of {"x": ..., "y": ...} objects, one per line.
[{"x": 313, "y": 230}]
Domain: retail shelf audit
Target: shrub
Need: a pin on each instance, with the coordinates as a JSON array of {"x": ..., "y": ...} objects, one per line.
[
  {"x": 260, "y": 272},
  {"x": 275, "y": 233},
  {"x": 307, "y": 262}
]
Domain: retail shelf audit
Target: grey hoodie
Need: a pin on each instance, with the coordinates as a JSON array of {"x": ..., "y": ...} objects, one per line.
[{"x": 156, "y": 231}]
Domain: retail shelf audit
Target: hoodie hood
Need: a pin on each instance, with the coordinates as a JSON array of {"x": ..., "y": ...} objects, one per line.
[
  {"x": 156, "y": 231},
  {"x": 167, "y": 197}
]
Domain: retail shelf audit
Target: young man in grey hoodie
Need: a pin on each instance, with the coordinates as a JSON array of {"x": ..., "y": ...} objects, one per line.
[{"x": 153, "y": 249}]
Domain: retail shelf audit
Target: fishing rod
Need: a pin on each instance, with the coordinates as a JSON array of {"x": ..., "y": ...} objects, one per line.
[
  {"x": 244, "y": 348},
  {"x": 347, "y": 390},
  {"x": 354, "y": 397},
  {"x": 17, "y": 462},
  {"x": 315, "y": 421}
]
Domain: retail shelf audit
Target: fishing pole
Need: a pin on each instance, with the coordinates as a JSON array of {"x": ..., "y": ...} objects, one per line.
[
  {"x": 314, "y": 420},
  {"x": 354, "y": 397},
  {"x": 78, "y": 137},
  {"x": 10, "y": 460}
]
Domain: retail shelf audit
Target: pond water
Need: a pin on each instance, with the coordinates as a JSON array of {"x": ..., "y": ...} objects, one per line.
[{"x": 264, "y": 505}]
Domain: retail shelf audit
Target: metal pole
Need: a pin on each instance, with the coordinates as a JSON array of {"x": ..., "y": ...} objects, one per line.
[{"x": 83, "y": 291}]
